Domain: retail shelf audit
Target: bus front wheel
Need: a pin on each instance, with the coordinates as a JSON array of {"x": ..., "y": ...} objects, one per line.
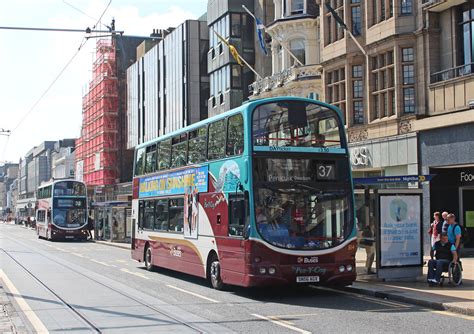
[
  {"x": 148, "y": 259},
  {"x": 215, "y": 274}
]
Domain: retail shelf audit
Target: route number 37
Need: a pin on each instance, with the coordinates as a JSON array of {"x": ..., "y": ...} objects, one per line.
[{"x": 325, "y": 171}]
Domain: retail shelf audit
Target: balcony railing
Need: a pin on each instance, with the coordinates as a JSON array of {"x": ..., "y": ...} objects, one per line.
[
  {"x": 280, "y": 79},
  {"x": 452, "y": 73}
]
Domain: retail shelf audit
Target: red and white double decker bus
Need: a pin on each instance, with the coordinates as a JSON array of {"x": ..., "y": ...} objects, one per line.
[
  {"x": 259, "y": 195},
  {"x": 61, "y": 210}
]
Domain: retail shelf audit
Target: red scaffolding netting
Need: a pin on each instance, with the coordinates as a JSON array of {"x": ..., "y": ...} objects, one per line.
[{"x": 98, "y": 145}]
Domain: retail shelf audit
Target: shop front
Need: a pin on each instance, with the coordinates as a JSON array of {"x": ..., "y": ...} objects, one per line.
[{"x": 448, "y": 153}]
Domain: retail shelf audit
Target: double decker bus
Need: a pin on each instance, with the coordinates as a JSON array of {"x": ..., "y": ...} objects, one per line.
[
  {"x": 259, "y": 195},
  {"x": 61, "y": 210}
]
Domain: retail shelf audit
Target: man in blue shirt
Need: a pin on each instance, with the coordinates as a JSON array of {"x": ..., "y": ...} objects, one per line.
[
  {"x": 454, "y": 231},
  {"x": 444, "y": 252}
]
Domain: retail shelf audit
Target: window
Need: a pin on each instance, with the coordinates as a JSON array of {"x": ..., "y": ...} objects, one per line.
[
  {"x": 41, "y": 216},
  {"x": 357, "y": 95},
  {"x": 216, "y": 142},
  {"x": 297, "y": 47},
  {"x": 466, "y": 33},
  {"x": 140, "y": 161},
  {"x": 356, "y": 19},
  {"x": 236, "y": 26},
  {"x": 235, "y": 135},
  {"x": 197, "y": 146},
  {"x": 297, "y": 7},
  {"x": 336, "y": 89},
  {"x": 238, "y": 215},
  {"x": 149, "y": 215},
  {"x": 164, "y": 154},
  {"x": 381, "y": 11},
  {"x": 179, "y": 147},
  {"x": 335, "y": 32},
  {"x": 236, "y": 76},
  {"x": 406, "y": 7},
  {"x": 161, "y": 215},
  {"x": 150, "y": 163},
  {"x": 408, "y": 75},
  {"x": 176, "y": 214},
  {"x": 383, "y": 86}
]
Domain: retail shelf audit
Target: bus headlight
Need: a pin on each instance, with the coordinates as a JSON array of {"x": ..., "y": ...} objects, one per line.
[
  {"x": 342, "y": 268},
  {"x": 272, "y": 270},
  {"x": 263, "y": 270},
  {"x": 349, "y": 267}
]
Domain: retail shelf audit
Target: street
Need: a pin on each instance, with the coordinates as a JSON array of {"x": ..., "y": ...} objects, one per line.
[{"x": 88, "y": 287}]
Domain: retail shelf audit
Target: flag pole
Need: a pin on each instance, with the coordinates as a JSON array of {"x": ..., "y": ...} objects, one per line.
[
  {"x": 274, "y": 37},
  {"x": 238, "y": 55}
]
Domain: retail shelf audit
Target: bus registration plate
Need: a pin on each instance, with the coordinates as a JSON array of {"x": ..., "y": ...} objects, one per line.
[{"x": 307, "y": 279}]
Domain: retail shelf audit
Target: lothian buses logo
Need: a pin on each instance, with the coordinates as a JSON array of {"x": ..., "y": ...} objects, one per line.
[{"x": 306, "y": 260}]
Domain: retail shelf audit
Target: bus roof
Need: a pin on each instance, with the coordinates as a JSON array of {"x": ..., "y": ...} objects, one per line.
[
  {"x": 51, "y": 182},
  {"x": 247, "y": 105}
]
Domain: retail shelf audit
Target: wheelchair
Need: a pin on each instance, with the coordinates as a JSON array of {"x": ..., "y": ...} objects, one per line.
[{"x": 454, "y": 270}]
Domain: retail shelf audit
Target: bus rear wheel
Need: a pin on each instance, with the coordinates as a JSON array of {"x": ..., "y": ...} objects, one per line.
[
  {"x": 148, "y": 259},
  {"x": 215, "y": 274}
]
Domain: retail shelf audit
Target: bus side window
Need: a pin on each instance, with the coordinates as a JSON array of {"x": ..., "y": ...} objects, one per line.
[
  {"x": 161, "y": 215},
  {"x": 140, "y": 161},
  {"x": 237, "y": 215},
  {"x": 176, "y": 214},
  {"x": 164, "y": 154},
  {"x": 216, "y": 140},
  {"x": 235, "y": 135},
  {"x": 141, "y": 214},
  {"x": 149, "y": 216},
  {"x": 197, "y": 145},
  {"x": 179, "y": 150},
  {"x": 150, "y": 162}
]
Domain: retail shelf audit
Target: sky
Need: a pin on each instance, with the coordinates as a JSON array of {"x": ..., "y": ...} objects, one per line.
[{"x": 30, "y": 61}]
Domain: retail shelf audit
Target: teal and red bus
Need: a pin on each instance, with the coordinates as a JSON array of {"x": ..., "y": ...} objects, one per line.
[{"x": 259, "y": 195}]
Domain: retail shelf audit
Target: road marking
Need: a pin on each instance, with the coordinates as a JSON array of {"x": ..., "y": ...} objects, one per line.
[
  {"x": 132, "y": 273},
  {"x": 77, "y": 254},
  {"x": 24, "y": 307},
  {"x": 102, "y": 263},
  {"x": 281, "y": 322},
  {"x": 193, "y": 294},
  {"x": 367, "y": 298},
  {"x": 452, "y": 314}
]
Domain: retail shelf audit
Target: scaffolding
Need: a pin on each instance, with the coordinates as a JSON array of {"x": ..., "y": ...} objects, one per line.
[{"x": 97, "y": 147}]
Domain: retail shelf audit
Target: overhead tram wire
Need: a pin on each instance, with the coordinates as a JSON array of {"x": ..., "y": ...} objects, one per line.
[{"x": 83, "y": 42}]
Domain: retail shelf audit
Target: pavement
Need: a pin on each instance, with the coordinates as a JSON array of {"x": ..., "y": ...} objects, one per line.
[{"x": 458, "y": 299}]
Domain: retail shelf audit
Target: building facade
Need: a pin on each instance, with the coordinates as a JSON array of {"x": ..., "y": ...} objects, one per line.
[
  {"x": 295, "y": 27},
  {"x": 446, "y": 133},
  {"x": 63, "y": 159},
  {"x": 168, "y": 85},
  {"x": 229, "y": 82}
]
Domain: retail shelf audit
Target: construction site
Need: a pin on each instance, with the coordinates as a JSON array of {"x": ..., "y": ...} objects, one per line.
[{"x": 97, "y": 148}]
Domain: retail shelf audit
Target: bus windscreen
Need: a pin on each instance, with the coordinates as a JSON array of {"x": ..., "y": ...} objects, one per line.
[
  {"x": 69, "y": 188},
  {"x": 69, "y": 212},
  {"x": 297, "y": 124}
]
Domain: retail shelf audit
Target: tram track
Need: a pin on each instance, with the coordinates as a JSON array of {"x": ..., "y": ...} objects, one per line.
[{"x": 93, "y": 326}]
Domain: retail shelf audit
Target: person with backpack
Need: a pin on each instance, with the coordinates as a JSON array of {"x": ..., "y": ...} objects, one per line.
[{"x": 454, "y": 231}]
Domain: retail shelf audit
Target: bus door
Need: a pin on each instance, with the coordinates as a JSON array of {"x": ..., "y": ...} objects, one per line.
[{"x": 232, "y": 249}]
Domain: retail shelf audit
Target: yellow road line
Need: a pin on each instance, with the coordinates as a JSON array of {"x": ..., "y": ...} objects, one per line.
[
  {"x": 102, "y": 263},
  {"x": 24, "y": 307},
  {"x": 193, "y": 293},
  {"x": 132, "y": 273},
  {"x": 282, "y": 323}
]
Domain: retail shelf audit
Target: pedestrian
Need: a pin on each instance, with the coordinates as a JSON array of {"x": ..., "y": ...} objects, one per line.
[
  {"x": 434, "y": 231},
  {"x": 454, "y": 231},
  {"x": 90, "y": 227},
  {"x": 442, "y": 253},
  {"x": 444, "y": 227}
]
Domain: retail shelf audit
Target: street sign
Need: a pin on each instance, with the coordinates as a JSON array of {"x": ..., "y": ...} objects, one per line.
[{"x": 393, "y": 179}]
